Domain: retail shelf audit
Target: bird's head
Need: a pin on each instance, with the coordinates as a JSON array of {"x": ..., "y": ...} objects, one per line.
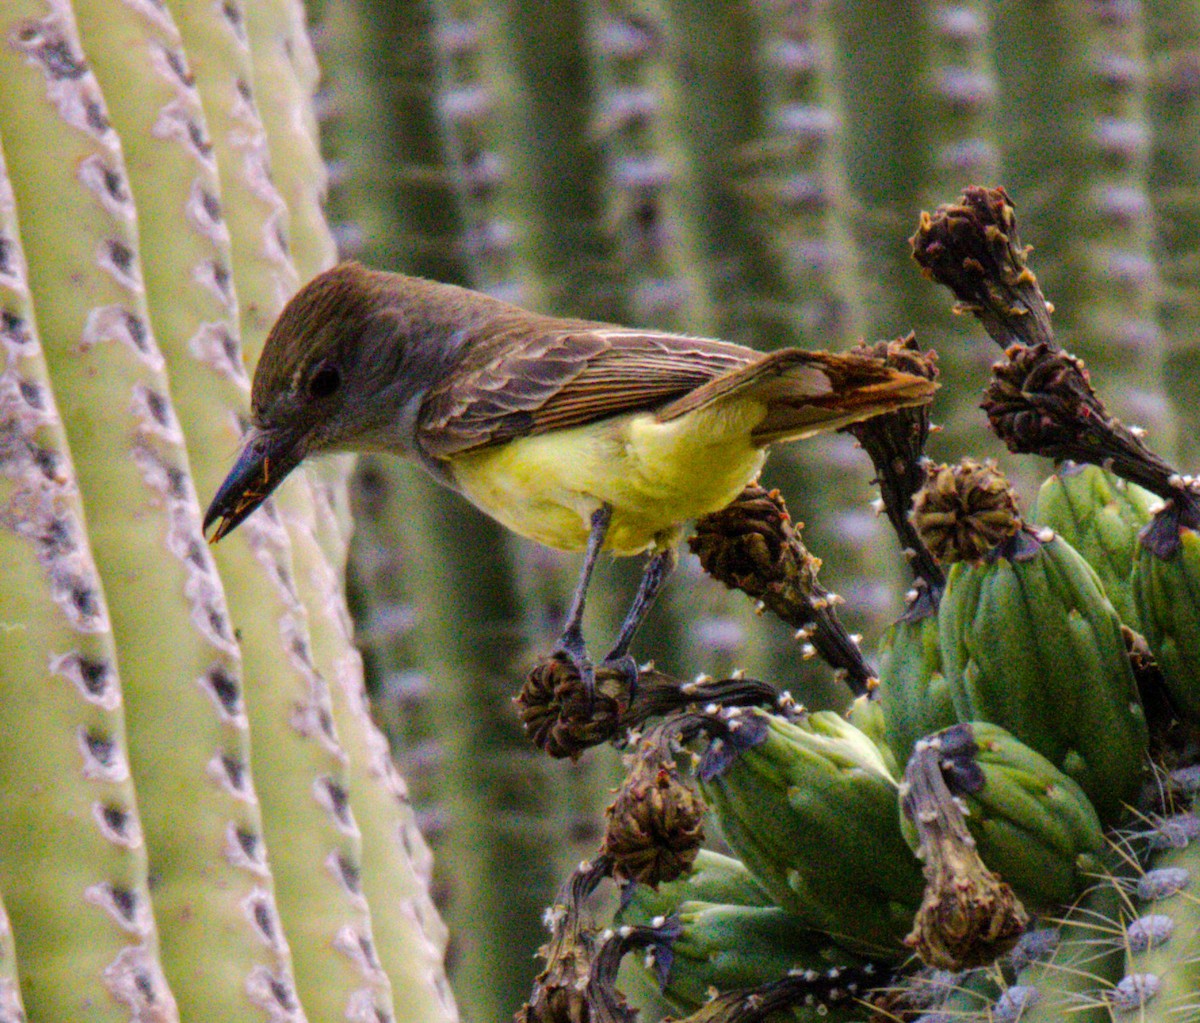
[{"x": 341, "y": 366}]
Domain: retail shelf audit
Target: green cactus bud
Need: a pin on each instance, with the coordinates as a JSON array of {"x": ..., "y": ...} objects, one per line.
[
  {"x": 725, "y": 947},
  {"x": 1166, "y": 594},
  {"x": 866, "y": 714},
  {"x": 1031, "y": 823},
  {"x": 1030, "y": 642},
  {"x": 811, "y": 810},
  {"x": 1099, "y": 515},
  {"x": 913, "y": 692},
  {"x": 713, "y": 878}
]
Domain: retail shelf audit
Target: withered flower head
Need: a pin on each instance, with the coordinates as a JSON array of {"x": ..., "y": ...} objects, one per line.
[
  {"x": 655, "y": 825},
  {"x": 579, "y": 983},
  {"x": 752, "y": 546},
  {"x": 965, "y": 510},
  {"x": 969, "y": 916},
  {"x": 561, "y": 716},
  {"x": 971, "y": 247},
  {"x": 901, "y": 353},
  {"x": 1040, "y": 400},
  {"x": 560, "y": 992}
]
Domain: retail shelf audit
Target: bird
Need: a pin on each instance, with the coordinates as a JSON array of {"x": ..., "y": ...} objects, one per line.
[{"x": 580, "y": 435}]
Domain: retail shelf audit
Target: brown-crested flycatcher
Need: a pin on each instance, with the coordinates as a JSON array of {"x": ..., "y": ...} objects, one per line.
[{"x": 580, "y": 435}]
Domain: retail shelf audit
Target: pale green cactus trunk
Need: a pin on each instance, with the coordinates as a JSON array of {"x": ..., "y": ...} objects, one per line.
[
  {"x": 69, "y": 809},
  {"x": 1173, "y": 108},
  {"x": 159, "y": 247},
  {"x": 88, "y": 296},
  {"x": 920, "y": 99},
  {"x": 1076, "y": 145}
]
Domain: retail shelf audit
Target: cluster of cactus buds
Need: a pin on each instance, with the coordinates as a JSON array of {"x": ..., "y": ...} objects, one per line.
[{"x": 996, "y": 799}]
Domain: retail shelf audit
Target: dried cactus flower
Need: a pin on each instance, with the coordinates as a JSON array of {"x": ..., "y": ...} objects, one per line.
[
  {"x": 971, "y": 247},
  {"x": 561, "y": 716},
  {"x": 1040, "y": 399},
  {"x": 579, "y": 982},
  {"x": 969, "y": 916},
  {"x": 752, "y": 546},
  {"x": 560, "y": 992},
  {"x": 901, "y": 353},
  {"x": 655, "y": 825},
  {"x": 965, "y": 510}
]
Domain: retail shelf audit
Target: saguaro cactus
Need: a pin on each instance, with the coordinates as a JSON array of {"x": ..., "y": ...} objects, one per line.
[{"x": 222, "y": 688}]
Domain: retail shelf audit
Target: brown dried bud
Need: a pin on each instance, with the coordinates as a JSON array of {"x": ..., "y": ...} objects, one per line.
[
  {"x": 965, "y": 510},
  {"x": 969, "y": 916},
  {"x": 655, "y": 825},
  {"x": 561, "y": 717},
  {"x": 902, "y": 353},
  {"x": 1040, "y": 400},
  {"x": 565, "y": 991},
  {"x": 560, "y": 994},
  {"x": 751, "y": 545},
  {"x": 972, "y": 248}
]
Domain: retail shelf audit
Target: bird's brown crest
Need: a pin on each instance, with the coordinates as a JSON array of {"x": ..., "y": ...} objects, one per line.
[{"x": 326, "y": 310}]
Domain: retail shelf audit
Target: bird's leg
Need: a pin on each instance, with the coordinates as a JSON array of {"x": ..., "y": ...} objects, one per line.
[
  {"x": 658, "y": 568},
  {"x": 571, "y": 641}
]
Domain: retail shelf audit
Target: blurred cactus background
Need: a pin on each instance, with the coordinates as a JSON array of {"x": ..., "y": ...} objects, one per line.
[{"x": 198, "y": 816}]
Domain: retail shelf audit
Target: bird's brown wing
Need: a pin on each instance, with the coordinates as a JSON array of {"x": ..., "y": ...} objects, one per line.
[{"x": 565, "y": 378}]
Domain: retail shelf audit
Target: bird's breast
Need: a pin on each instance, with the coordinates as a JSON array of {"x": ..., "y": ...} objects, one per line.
[{"x": 655, "y": 476}]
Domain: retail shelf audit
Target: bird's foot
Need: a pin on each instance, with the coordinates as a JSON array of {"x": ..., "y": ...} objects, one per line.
[{"x": 573, "y": 650}]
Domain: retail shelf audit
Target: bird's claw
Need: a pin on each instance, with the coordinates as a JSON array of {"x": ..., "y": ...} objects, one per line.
[{"x": 572, "y": 649}]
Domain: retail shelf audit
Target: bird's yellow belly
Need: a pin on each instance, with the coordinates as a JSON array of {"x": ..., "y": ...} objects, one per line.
[{"x": 655, "y": 476}]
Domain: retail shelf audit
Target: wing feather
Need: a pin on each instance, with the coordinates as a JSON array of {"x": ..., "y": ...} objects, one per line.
[{"x": 562, "y": 378}]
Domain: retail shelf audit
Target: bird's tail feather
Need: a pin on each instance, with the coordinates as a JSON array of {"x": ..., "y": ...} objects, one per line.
[{"x": 808, "y": 392}]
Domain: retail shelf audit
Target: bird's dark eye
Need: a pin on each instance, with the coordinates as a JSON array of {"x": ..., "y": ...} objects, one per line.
[{"x": 325, "y": 381}]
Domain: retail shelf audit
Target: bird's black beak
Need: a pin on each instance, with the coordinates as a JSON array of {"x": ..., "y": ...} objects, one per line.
[{"x": 266, "y": 459}]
